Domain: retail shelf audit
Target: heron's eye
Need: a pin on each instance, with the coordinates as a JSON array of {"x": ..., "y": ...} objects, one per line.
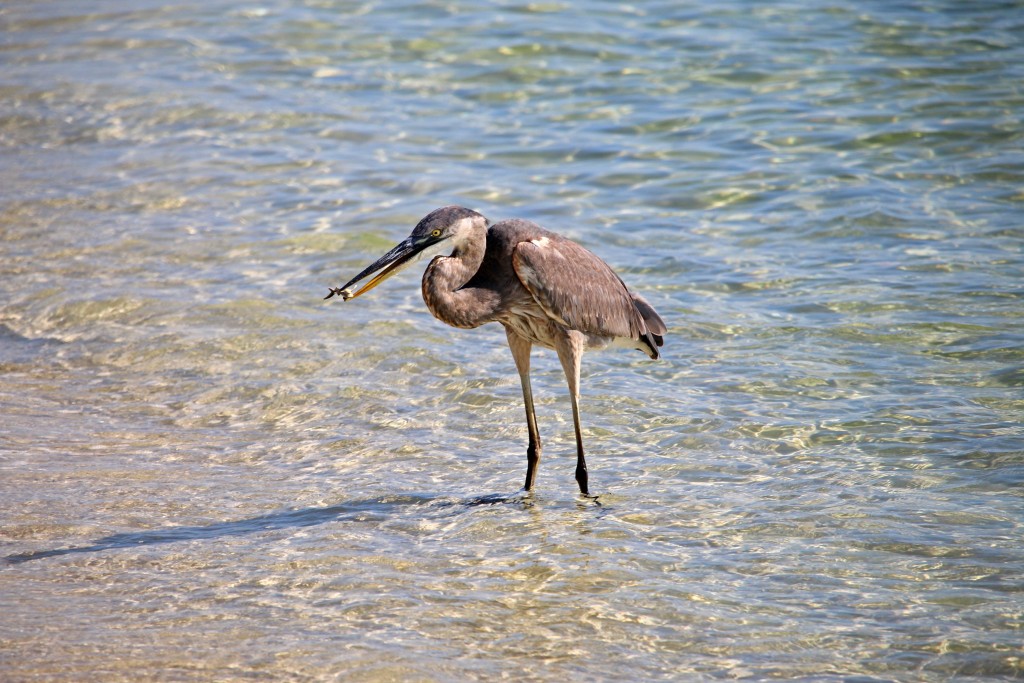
[{"x": 435, "y": 233}]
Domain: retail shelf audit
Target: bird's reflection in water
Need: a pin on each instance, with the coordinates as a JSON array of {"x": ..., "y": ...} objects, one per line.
[{"x": 361, "y": 511}]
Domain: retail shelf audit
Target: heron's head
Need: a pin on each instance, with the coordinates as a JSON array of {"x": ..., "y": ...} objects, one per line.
[{"x": 443, "y": 229}]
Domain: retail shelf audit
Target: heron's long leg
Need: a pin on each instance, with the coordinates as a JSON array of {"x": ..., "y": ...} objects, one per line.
[
  {"x": 570, "y": 351},
  {"x": 521, "y": 354}
]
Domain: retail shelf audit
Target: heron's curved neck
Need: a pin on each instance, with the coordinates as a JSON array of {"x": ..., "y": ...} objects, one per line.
[{"x": 445, "y": 277}]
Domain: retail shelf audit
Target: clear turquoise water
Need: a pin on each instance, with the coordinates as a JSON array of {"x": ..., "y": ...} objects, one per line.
[{"x": 208, "y": 473}]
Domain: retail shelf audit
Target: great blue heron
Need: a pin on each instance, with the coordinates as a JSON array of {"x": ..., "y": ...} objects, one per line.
[{"x": 543, "y": 288}]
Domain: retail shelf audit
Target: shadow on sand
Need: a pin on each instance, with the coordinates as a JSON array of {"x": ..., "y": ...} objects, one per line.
[{"x": 371, "y": 510}]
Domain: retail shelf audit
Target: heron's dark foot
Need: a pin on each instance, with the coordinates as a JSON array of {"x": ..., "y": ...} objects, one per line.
[
  {"x": 532, "y": 460},
  {"x": 581, "y": 479}
]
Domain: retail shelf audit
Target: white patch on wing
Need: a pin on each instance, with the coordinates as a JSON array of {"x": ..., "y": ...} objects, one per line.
[{"x": 549, "y": 249}]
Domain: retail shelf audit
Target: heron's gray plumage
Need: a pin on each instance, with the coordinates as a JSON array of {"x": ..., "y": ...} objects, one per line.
[
  {"x": 579, "y": 291},
  {"x": 543, "y": 288}
]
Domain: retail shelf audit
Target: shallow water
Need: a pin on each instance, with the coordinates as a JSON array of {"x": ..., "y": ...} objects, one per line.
[{"x": 210, "y": 473}]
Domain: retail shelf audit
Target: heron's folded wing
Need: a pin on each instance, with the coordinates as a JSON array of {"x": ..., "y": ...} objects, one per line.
[{"x": 576, "y": 288}]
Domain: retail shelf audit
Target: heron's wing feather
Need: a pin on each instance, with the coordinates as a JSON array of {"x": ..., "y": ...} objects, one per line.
[{"x": 577, "y": 289}]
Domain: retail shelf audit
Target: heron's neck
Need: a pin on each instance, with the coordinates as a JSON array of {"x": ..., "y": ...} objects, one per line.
[{"x": 445, "y": 277}]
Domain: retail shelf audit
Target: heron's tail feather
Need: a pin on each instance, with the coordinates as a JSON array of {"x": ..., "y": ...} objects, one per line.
[{"x": 656, "y": 330}]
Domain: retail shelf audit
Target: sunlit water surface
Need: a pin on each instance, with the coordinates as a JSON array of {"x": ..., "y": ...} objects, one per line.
[{"x": 209, "y": 473}]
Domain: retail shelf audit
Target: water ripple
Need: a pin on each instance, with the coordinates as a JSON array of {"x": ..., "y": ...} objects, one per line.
[{"x": 209, "y": 473}]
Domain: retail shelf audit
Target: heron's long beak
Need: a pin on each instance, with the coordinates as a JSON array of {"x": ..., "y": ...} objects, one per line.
[{"x": 390, "y": 263}]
